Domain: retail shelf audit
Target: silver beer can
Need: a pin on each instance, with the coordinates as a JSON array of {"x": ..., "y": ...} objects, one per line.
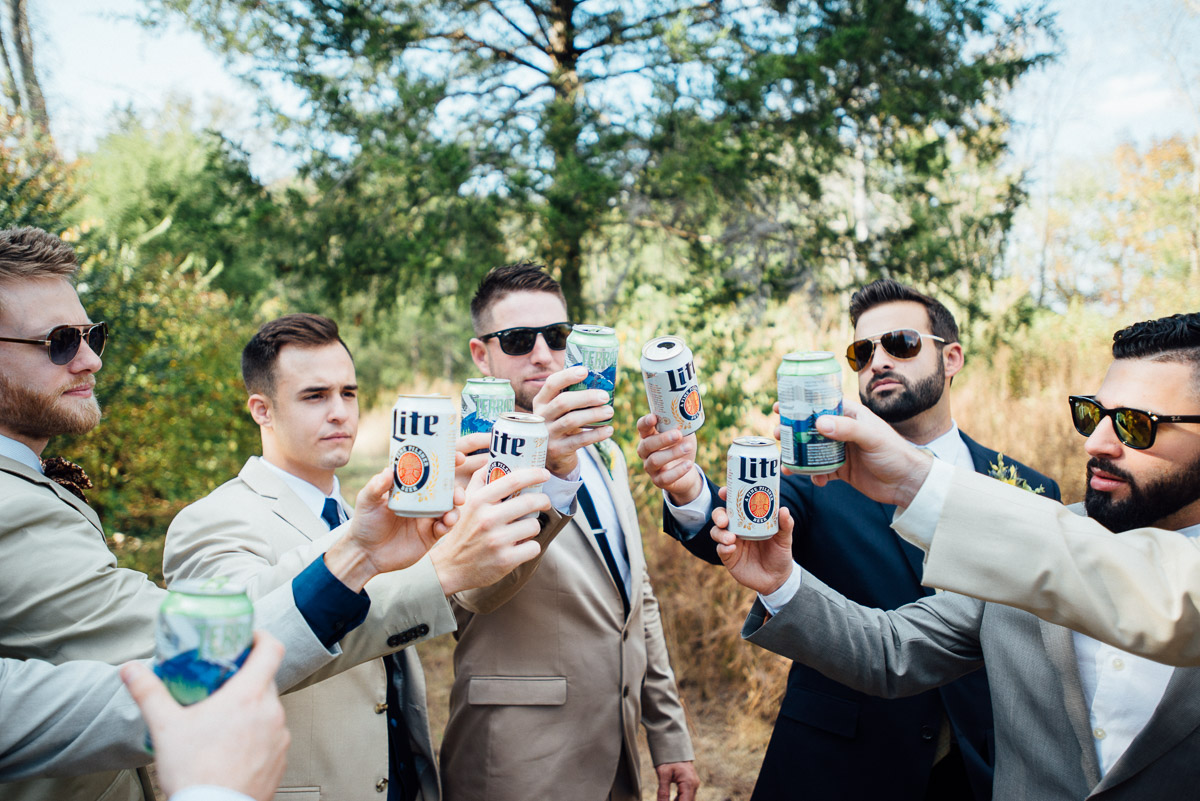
[
  {"x": 752, "y": 488},
  {"x": 518, "y": 440},
  {"x": 424, "y": 430},
  {"x": 671, "y": 386}
]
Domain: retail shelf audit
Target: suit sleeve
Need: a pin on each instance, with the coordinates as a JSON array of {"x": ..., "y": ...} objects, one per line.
[
  {"x": 890, "y": 654},
  {"x": 62, "y": 593},
  {"x": 662, "y": 711},
  {"x": 1138, "y": 590},
  {"x": 699, "y": 543},
  {"x": 484, "y": 600}
]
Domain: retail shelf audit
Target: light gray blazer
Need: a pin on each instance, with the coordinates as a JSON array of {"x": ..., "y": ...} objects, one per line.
[{"x": 1044, "y": 746}]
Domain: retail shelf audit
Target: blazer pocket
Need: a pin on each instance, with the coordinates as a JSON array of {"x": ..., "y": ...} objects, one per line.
[
  {"x": 298, "y": 794},
  {"x": 517, "y": 691},
  {"x": 825, "y": 712}
]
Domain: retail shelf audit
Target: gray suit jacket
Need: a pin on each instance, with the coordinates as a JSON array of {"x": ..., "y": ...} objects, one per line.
[
  {"x": 63, "y": 598},
  {"x": 551, "y": 679},
  {"x": 1044, "y": 747},
  {"x": 252, "y": 529}
]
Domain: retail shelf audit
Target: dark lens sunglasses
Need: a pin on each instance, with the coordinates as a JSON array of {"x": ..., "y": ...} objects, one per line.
[
  {"x": 62, "y": 343},
  {"x": 903, "y": 343},
  {"x": 1133, "y": 427},
  {"x": 519, "y": 341}
]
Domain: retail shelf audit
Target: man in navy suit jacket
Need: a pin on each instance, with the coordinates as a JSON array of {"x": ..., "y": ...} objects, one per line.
[{"x": 831, "y": 742}]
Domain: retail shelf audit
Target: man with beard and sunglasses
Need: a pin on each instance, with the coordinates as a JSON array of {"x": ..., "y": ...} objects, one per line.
[
  {"x": 843, "y": 742},
  {"x": 1128, "y": 574},
  {"x": 1074, "y": 718}
]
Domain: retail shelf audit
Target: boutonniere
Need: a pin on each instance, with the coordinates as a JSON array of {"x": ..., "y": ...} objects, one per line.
[
  {"x": 1008, "y": 474},
  {"x": 607, "y": 450}
]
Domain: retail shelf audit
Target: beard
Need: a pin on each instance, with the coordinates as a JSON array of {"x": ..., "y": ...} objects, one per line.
[
  {"x": 1147, "y": 503},
  {"x": 911, "y": 400},
  {"x": 45, "y": 415}
]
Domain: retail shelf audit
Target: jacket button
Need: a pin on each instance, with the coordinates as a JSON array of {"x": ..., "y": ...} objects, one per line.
[
  {"x": 381, "y": 785},
  {"x": 927, "y": 732},
  {"x": 422, "y": 630},
  {"x": 380, "y": 708},
  {"x": 394, "y": 640}
]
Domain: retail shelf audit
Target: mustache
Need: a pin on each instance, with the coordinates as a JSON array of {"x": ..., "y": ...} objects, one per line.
[
  {"x": 1104, "y": 465},
  {"x": 90, "y": 383},
  {"x": 888, "y": 376}
]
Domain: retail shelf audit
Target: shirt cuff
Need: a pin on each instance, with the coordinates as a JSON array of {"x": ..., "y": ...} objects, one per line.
[
  {"x": 690, "y": 517},
  {"x": 918, "y": 522},
  {"x": 209, "y": 792},
  {"x": 782, "y": 596},
  {"x": 331, "y": 609},
  {"x": 562, "y": 490}
]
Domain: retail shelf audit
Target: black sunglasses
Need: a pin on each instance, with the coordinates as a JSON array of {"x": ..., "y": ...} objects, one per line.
[
  {"x": 1133, "y": 427},
  {"x": 62, "y": 343},
  {"x": 903, "y": 343},
  {"x": 519, "y": 341}
]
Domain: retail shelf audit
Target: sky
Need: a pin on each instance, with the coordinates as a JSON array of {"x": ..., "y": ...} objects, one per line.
[{"x": 1114, "y": 82}]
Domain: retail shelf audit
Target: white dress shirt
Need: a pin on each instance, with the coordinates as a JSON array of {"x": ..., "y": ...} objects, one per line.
[
  {"x": 209, "y": 792},
  {"x": 20, "y": 452},
  {"x": 311, "y": 496}
]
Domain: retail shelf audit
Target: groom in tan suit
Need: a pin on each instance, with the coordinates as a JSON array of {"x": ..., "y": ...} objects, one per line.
[{"x": 557, "y": 663}]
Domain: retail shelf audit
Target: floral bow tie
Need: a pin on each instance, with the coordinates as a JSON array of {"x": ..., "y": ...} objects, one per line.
[{"x": 67, "y": 474}]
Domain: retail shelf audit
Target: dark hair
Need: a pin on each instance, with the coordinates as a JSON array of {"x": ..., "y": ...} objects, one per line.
[
  {"x": 522, "y": 276},
  {"x": 1175, "y": 338},
  {"x": 33, "y": 253},
  {"x": 885, "y": 290},
  {"x": 262, "y": 351}
]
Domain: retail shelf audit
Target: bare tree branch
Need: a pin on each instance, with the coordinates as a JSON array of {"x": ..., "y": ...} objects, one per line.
[
  {"x": 528, "y": 37},
  {"x": 505, "y": 55},
  {"x": 9, "y": 80},
  {"x": 24, "y": 45}
]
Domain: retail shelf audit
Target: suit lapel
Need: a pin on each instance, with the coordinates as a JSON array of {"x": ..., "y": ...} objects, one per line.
[
  {"x": 259, "y": 478},
  {"x": 1060, "y": 650},
  {"x": 1173, "y": 720},
  {"x": 590, "y": 535},
  {"x": 34, "y": 477},
  {"x": 982, "y": 458}
]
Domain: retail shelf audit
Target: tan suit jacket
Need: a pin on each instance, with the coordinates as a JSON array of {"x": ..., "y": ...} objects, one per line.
[
  {"x": 246, "y": 529},
  {"x": 551, "y": 679},
  {"x": 62, "y": 597},
  {"x": 1138, "y": 590}
]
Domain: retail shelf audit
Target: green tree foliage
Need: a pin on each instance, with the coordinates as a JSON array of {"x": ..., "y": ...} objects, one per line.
[{"x": 36, "y": 187}]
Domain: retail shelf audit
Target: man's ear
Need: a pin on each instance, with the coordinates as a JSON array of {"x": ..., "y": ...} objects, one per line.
[
  {"x": 260, "y": 409},
  {"x": 953, "y": 358},
  {"x": 479, "y": 355}
]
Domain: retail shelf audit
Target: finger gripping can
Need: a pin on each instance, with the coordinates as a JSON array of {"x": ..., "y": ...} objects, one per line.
[
  {"x": 752, "y": 488},
  {"x": 205, "y": 629},
  {"x": 424, "y": 430},
  {"x": 518, "y": 440},
  {"x": 483, "y": 401},
  {"x": 671, "y": 387},
  {"x": 594, "y": 347},
  {"x": 810, "y": 385}
]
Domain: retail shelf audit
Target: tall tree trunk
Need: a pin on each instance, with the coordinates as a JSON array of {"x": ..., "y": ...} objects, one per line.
[
  {"x": 23, "y": 42},
  {"x": 9, "y": 83}
]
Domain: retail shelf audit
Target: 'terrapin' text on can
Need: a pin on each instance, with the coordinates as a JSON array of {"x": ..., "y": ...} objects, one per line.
[
  {"x": 483, "y": 401},
  {"x": 594, "y": 347},
  {"x": 518, "y": 440},
  {"x": 810, "y": 385},
  {"x": 752, "y": 488},
  {"x": 671, "y": 386},
  {"x": 424, "y": 430},
  {"x": 205, "y": 630}
]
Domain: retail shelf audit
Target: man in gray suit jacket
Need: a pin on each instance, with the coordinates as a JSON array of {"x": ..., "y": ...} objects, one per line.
[{"x": 1074, "y": 718}]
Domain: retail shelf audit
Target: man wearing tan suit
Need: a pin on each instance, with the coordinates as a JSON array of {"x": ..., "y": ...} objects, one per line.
[
  {"x": 63, "y": 596},
  {"x": 557, "y": 663},
  {"x": 367, "y": 730}
]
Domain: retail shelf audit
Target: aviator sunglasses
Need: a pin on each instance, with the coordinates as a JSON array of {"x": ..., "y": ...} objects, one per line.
[
  {"x": 62, "y": 343},
  {"x": 903, "y": 343},
  {"x": 1133, "y": 427},
  {"x": 519, "y": 341}
]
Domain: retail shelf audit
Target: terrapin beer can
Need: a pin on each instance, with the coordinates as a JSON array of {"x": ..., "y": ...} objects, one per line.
[
  {"x": 752, "y": 487},
  {"x": 671, "y": 386},
  {"x": 424, "y": 429},
  {"x": 595, "y": 347},
  {"x": 205, "y": 629},
  {"x": 518, "y": 440},
  {"x": 810, "y": 385},
  {"x": 483, "y": 401}
]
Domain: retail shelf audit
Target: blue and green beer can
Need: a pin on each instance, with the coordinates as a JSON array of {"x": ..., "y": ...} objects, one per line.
[
  {"x": 810, "y": 385},
  {"x": 205, "y": 630},
  {"x": 594, "y": 347},
  {"x": 483, "y": 401}
]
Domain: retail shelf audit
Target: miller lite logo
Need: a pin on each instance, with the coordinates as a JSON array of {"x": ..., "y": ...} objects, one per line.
[
  {"x": 759, "y": 504},
  {"x": 503, "y": 442},
  {"x": 496, "y": 471},
  {"x": 411, "y": 469},
  {"x": 751, "y": 469},
  {"x": 689, "y": 404},
  {"x": 413, "y": 424}
]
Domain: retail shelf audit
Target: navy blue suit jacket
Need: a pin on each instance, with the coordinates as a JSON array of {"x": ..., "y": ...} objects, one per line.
[{"x": 831, "y": 742}]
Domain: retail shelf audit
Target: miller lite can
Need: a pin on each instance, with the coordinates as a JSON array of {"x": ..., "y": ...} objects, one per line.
[
  {"x": 594, "y": 347},
  {"x": 483, "y": 401},
  {"x": 752, "y": 488},
  {"x": 424, "y": 429},
  {"x": 810, "y": 385},
  {"x": 671, "y": 386},
  {"x": 518, "y": 440}
]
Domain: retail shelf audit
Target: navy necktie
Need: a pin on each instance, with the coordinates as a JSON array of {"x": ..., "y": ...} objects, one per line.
[
  {"x": 589, "y": 511},
  {"x": 331, "y": 514}
]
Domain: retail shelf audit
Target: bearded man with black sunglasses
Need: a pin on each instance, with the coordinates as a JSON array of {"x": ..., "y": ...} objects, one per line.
[{"x": 835, "y": 741}]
